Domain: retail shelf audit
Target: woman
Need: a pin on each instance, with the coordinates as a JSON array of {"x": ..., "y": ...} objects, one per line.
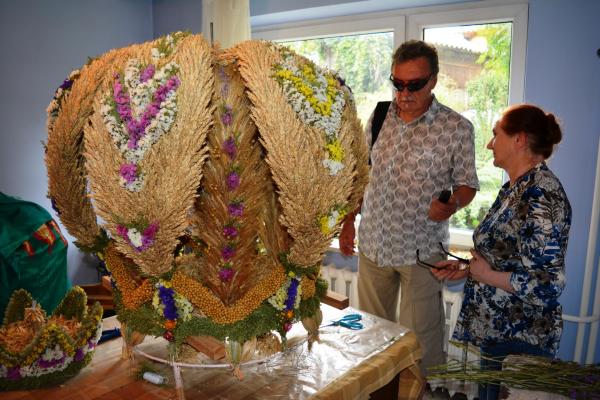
[{"x": 516, "y": 273}]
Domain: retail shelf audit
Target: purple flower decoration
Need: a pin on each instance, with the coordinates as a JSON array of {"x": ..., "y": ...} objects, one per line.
[
  {"x": 122, "y": 231},
  {"x": 147, "y": 74},
  {"x": 51, "y": 363},
  {"x": 137, "y": 128},
  {"x": 236, "y": 209},
  {"x": 148, "y": 235},
  {"x": 129, "y": 172},
  {"x": 227, "y": 117},
  {"x": 225, "y": 79},
  {"x": 13, "y": 373},
  {"x": 230, "y": 148},
  {"x": 230, "y": 232},
  {"x": 228, "y": 252},
  {"x": 166, "y": 296},
  {"x": 79, "y": 354},
  {"x": 66, "y": 84},
  {"x": 291, "y": 297},
  {"x": 233, "y": 181},
  {"x": 226, "y": 274}
]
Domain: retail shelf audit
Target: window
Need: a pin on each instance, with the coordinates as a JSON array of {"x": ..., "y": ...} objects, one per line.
[
  {"x": 473, "y": 80},
  {"x": 482, "y": 69}
]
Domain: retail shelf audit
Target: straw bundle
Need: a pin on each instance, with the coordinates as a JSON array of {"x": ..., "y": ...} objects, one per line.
[
  {"x": 234, "y": 174},
  {"x": 294, "y": 153},
  {"x": 173, "y": 165},
  {"x": 65, "y": 163}
]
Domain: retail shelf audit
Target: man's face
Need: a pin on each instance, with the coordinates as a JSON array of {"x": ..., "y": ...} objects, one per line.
[{"x": 410, "y": 71}]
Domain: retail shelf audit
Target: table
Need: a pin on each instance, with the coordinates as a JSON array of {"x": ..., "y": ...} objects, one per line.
[{"x": 345, "y": 364}]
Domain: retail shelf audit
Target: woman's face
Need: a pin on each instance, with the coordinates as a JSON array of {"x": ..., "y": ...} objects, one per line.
[{"x": 502, "y": 145}]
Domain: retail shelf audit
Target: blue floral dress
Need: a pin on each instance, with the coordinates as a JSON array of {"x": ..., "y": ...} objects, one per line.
[{"x": 526, "y": 233}]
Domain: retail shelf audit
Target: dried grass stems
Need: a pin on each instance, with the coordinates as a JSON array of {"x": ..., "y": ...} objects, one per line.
[
  {"x": 64, "y": 161},
  {"x": 173, "y": 166},
  {"x": 528, "y": 372},
  {"x": 295, "y": 153},
  {"x": 360, "y": 150}
]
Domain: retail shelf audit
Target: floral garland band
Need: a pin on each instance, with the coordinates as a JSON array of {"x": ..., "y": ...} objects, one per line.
[
  {"x": 139, "y": 235},
  {"x": 170, "y": 306},
  {"x": 316, "y": 98},
  {"x": 52, "y": 355},
  {"x": 60, "y": 95},
  {"x": 141, "y": 109}
]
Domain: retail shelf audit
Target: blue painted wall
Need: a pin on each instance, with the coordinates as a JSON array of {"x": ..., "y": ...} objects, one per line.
[
  {"x": 176, "y": 15},
  {"x": 42, "y": 42},
  {"x": 563, "y": 76}
]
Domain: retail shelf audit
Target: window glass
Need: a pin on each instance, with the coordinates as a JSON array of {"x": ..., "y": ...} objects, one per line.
[{"x": 474, "y": 80}]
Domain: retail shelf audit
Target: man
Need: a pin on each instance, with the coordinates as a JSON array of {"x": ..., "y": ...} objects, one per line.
[{"x": 423, "y": 148}]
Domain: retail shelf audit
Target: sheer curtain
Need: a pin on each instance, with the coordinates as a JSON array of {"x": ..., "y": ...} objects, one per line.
[{"x": 226, "y": 22}]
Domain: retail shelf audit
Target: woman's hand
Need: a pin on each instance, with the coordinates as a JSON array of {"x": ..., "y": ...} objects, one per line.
[
  {"x": 480, "y": 269},
  {"x": 450, "y": 272}
]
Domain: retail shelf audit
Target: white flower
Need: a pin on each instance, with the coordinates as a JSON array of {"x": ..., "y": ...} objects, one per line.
[
  {"x": 135, "y": 237},
  {"x": 334, "y": 166}
]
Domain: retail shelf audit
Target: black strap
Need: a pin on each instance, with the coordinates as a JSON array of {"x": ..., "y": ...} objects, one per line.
[{"x": 378, "y": 117}]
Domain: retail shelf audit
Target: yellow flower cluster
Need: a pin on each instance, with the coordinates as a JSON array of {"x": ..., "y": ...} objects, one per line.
[
  {"x": 335, "y": 150},
  {"x": 132, "y": 296},
  {"x": 308, "y": 75},
  {"x": 205, "y": 301},
  {"x": 52, "y": 331},
  {"x": 328, "y": 222}
]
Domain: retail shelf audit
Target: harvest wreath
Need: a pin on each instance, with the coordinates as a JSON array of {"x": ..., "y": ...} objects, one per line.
[
  {"x": 220, "y": 178},
  {"x": 37, "y": 351}
]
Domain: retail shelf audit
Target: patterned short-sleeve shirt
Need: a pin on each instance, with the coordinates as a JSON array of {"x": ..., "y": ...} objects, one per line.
[
  {"x": 410, "y": 164},
  {"x": 525, "y": 232}
]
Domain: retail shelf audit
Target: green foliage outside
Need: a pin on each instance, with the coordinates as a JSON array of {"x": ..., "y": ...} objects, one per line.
[
  {"x": 482, "y": 101},
  {"x": 364, "y": 62}
]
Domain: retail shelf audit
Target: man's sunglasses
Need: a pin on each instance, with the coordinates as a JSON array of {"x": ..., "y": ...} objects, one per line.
[
  {"x": 463, "y": 262},
  {"x": 413, "y": 86}
]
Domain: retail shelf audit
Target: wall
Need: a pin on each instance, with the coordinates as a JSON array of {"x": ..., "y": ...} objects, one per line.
[
  {"x": 176, "y": 15},
  {"x": 563, "y": 76},
  {"x": 42, "y": 42}
]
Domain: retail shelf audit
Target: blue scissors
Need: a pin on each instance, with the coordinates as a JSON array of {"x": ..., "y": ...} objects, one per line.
[{"x": 349, "y": 321}]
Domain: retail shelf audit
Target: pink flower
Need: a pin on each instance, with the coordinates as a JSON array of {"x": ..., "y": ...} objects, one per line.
[
  {"x": 129, "y": 172},
  {"x": 230, "y": 232},
  {"x": 122, "y": 231},
  {"x": 227, "y": 117},
  {"x": 233, "y": 181},
  {"x": 147, "y": 74},
  {"x": 226, "y": 274},
  {"x": 228, "y": 252},
  {"x": 236, "y": 209},
  {"x": 230, "y": 148}
]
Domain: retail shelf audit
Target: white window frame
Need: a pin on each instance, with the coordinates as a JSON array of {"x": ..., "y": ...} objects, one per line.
[
  {"x": 409, "y": 24},
  {"x": 338, "y": 26}
]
